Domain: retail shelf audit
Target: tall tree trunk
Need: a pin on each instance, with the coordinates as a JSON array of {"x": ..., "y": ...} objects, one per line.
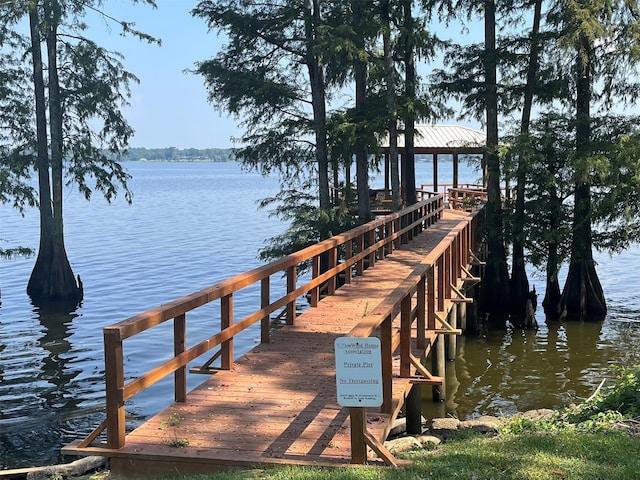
[
  {"x": 391, "y": 105},
  {"x": 555, "y": 215},
  {"x": 44, "y": 185},
  {"x": 495, "y": 283},
  {"x": 52, "y": 280},
  {"x": 318, "y": 94},
  {"x": 582, "y": 296},
  {"x": 335, "y": 171},
  {"x": 409, "y": 170},
  {"x": 360, "y": 149},
  {"x": 552, "y": 293},
  {"x": 519, "y": 286}
]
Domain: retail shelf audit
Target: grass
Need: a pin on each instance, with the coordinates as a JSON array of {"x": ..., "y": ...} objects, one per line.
[
  {"x": 534, "y": 456},
  {"x": 570, "y": 454}
]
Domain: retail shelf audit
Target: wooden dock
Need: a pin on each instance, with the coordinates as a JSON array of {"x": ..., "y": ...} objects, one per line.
[{"x": 277, "y": 403}]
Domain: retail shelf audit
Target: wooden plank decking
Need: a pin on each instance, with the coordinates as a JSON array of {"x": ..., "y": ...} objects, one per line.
[{"x": 278, "y": 402}]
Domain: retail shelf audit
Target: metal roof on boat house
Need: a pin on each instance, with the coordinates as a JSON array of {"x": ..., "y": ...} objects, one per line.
[{"x": 444, "y": 139}]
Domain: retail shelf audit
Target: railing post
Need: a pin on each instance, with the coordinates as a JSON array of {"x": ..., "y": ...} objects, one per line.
[
  {"x": 226, "y": 320},
  {"x": 472, "y": 235},
  {"x": 292, "y": 275},
  {"x": 315, "y": 272},
  {"x": 265, "y": 300},
  {"x": 179, "y": 346},
  {"x": 456, "y": 272},
  {"x": 431, "y": 302},
  {"x": 387, "y": 365},
  {"x": 401, "y": 225},
  {"x": 469, "y": 241},
  {"x": 447, "y": 272},
  {"x": 408, "y": 220},
  {"x": 348, "y": 247},
  {"x": 372, "y": 241},
  {"x": 421, "y": 312},
  {"x": 427, "y": 214},
  {"x": 333, "y": 261},
  {"x": 405, "y": 337},
  {"x": 441, "y": 283},
  {"x": 358, "y": 428},
  {"x": 464, "y": 245},
  {"x": 386, "y": 230},
  {"x": 360, "y": 247},
  {"x": 114, "y": 385}
]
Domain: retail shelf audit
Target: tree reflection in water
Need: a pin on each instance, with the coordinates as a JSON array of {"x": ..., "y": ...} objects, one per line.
[
  {"x": 505, "y": 372},
  {"x": 40, "y": 395}
]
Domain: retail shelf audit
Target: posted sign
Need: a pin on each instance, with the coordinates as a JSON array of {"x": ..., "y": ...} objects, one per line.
[{"x": 358, "y": 371}]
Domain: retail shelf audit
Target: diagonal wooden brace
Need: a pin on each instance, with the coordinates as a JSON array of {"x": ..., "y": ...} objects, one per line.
[
  {"x": 475, "y": 260},
  {"x": 469, "y": 278},
  {"x": 206, "y": 368},
  {"x": 427, "y": 376},
  {"x": 461, "y": 297},
  {"x": 95, "y": 434},
  {"x": 447, "y": 326},
  {"x": 381, "y": 450}
]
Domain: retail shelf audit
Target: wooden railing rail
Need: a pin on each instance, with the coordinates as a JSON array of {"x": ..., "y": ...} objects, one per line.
[
  {"x": 463, "y": 196},
  {"x": 420, "y": 298},
  {"x": 443, "y": 187},
  {"x": 364, "y": 244},
  {"x": 466, "y": 198}
]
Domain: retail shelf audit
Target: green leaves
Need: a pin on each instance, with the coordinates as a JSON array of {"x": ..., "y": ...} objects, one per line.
[
  {"x": 94, "y": 87},
  {"x": 616, "y": 182}
]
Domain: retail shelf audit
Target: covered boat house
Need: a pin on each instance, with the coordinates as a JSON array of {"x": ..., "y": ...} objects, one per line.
[{"x": 438, "y": 141}]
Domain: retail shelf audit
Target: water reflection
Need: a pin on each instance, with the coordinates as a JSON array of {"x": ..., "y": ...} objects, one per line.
[
  {"x": 501, "y": 373},
  {"x": 37, "y": 391},
  {"x": 54, "y": 368}
]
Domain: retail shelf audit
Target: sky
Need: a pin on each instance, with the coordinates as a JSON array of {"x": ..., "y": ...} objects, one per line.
[{"x": 169, "y": 108}]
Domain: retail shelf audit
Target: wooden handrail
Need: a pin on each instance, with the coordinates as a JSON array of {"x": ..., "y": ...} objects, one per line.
[
  {"x": 448, "y": 258},
  {"x": 379, "y": 237}
]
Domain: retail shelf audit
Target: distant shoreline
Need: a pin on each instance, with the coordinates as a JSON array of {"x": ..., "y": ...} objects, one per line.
[
  {"x": 180, "y": 160},
  {"x": 172, "y": 154}
]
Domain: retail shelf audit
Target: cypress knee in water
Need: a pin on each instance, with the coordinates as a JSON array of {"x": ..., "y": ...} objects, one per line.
[
  {"x": 532, "y": 305},
  {"x": 80, "y": 289}
]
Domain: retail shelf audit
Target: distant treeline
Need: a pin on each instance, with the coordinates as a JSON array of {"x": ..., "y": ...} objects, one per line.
[{"x": 172, "y": 154}]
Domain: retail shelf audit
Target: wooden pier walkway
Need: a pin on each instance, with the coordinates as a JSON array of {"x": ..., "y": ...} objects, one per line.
[{"x": 277, "y": 403}]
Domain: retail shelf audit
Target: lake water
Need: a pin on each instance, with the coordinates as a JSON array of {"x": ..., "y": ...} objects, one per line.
[{"x": 194, "y": 224}]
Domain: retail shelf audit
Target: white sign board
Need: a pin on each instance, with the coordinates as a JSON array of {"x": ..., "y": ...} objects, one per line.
[{"x": 358, "y": 371}]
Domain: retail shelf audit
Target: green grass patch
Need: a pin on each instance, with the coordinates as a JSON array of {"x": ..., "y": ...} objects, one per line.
[
  {"x": 611, "y": 455},
  {"x": 534, "y": 456}
]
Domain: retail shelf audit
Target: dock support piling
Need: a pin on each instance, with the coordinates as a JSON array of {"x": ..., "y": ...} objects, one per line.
[
  {"x": 413, "y": 409},
  {"x": 438, "y": 361},
  {"x": 462, "y": 316}
]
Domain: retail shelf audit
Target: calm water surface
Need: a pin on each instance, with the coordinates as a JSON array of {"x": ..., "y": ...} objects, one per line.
[{"x": 192, "y": 225}]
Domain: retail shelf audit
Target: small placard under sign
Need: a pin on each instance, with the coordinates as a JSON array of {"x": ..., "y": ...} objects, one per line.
[{"x": 358, "y": 371}]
